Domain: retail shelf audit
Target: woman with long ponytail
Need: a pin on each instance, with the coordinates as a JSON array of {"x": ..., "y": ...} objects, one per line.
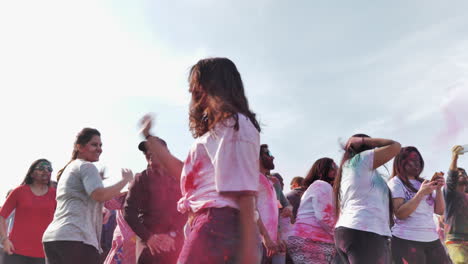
[{"x": 74, "y": 234}]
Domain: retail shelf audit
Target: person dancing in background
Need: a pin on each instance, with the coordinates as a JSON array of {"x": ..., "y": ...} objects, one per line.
[
  {"x": 124, "y": 239},
  {"x": 362, "y": 201},
  {"x": 34, "y": 204},
  {"x": 456, "y": 210},
  {"x": 150, "y": 209},
  {"x": 219, "y": 178},
  {"x": 75, "y": 232},
  {"x": 414, "y": 235},
  {"x": 312, "y": 239}
]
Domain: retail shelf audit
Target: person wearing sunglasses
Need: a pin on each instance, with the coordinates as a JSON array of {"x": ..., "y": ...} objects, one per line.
[
  {"x": 456, "y": 210},
  {"x": 34, "y": 204}
]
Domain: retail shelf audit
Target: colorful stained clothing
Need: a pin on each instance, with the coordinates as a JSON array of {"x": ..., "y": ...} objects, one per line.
[
  {"x": 32, "y": 216},
  {"x": 314, "y": 225},
  {"x": 124, "y": 240},
  {"x": 267, "y": 207},
  {"x": 365, "y": 212},
  {"x": 151, "y": 208},
  {"x": 221, "y": 161},
  {"x": 456, "y": 220}
]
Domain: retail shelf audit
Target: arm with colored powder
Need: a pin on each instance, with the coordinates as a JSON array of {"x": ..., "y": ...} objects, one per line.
[
  {"x": 269, "y": 244},
  {"x": 404, "y": 209},
  {"x": 248, "y": 248}
]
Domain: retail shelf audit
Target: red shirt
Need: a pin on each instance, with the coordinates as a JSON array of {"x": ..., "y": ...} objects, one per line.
[{"x": 32, "y": 216}]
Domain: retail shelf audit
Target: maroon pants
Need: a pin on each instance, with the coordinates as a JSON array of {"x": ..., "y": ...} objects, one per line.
[
  {"x": 214, "y": 237},
  {"x": 70, "y": 252}
]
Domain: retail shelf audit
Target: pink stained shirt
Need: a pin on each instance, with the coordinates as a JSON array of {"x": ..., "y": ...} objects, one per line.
[
  {"x": 223, "y": 160},
  {"x": 316, "y": 215},
  {"x": 267, "y": 206},
  {"x": 124, "y": 240}
]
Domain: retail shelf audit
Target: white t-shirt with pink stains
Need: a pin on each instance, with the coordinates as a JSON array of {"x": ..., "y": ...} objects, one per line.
[
  {"x": 364, "y": 196},
  {"x": 222, "y": 160},
  {"x": 316, "y": 215},
  {"x": 267, "y": 206},
  {"x": 419, "y": 226}
]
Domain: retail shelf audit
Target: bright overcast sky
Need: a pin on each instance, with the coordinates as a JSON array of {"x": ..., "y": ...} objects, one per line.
[{"x": 315, "y": 72}]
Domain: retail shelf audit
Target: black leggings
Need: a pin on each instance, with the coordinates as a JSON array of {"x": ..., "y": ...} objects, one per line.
[
  {"x": 70, "y": 252},
  {"x": 408, "y": 251},
  {"x": 361, "y": 247}
]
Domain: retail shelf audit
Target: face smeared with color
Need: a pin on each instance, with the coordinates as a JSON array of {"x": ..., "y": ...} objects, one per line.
[
  {"x": 267, "y": 159},
  {"x": 92, "y": 150},
  {"x": 41, "y": 173},
  {"x": 412, "y": 164}
]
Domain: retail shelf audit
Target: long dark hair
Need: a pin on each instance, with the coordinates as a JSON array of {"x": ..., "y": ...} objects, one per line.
[
  {"x": 319, "y": 171},
  {"x": 217, "y": 95},
  {"x": 399, "y": 163},
  {"x": 349, "y": 153},
  {"x": 85, "y": 135},
  {"x": 28, "y": 180}
]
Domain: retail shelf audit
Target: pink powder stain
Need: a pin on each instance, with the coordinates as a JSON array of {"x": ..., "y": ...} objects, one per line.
[
  {"x": 454, "y": 112},
  {"x": 190, "y": 178}
]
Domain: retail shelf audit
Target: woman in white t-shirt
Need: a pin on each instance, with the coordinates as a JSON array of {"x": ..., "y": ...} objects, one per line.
[
  {"x": 311, "y": 240},
  {"x": 362, "y": 201},
  {"x": 220, "y": 177},
  {"x": 415, "y": 200}
]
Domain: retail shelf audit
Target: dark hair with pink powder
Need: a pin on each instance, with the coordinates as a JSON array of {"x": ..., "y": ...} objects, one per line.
[{"x": 399, "y": 164}]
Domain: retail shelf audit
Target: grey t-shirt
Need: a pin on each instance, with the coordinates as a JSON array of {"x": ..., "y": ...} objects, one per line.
[{"x": 78, "y": 217}]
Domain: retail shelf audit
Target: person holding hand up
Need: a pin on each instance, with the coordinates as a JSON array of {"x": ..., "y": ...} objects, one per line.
[{"x": 456, "y": 210}]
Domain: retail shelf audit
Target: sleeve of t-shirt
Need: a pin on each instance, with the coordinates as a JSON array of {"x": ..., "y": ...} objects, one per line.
[
  {"x": 90, "y": 177},
  {"x": 236, "y": 163},
  {"x": 322, "y": 202},
  {"x": 10, "y": 204},
  {"x": 367, "y": 160},
  {"x": 396, "y": 187}
]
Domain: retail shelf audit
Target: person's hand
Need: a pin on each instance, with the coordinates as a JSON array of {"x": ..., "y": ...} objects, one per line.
[
  {"x": 456, "y": 151},
  {"x": 354, "y": 143},
  {"x": 438, "y": 178},
  {"x": 8, "y": 246},
  {"x": 427, "y": 187},
  {"x": 127, "y": 175},
  {"x": 145, "y": 125},
  {"x": 281, "y": 245},
  {"x": 158, "y": 243},
  {"x": 270, "y": 246}
]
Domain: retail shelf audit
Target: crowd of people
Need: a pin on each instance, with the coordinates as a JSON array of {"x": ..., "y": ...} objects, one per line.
[{"x": 223, "y": 204}]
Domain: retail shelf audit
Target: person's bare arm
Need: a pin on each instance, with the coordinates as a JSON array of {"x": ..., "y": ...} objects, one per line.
[
  {"x": 248, "y": 249},
  {"x": 106, "y": 193}
]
